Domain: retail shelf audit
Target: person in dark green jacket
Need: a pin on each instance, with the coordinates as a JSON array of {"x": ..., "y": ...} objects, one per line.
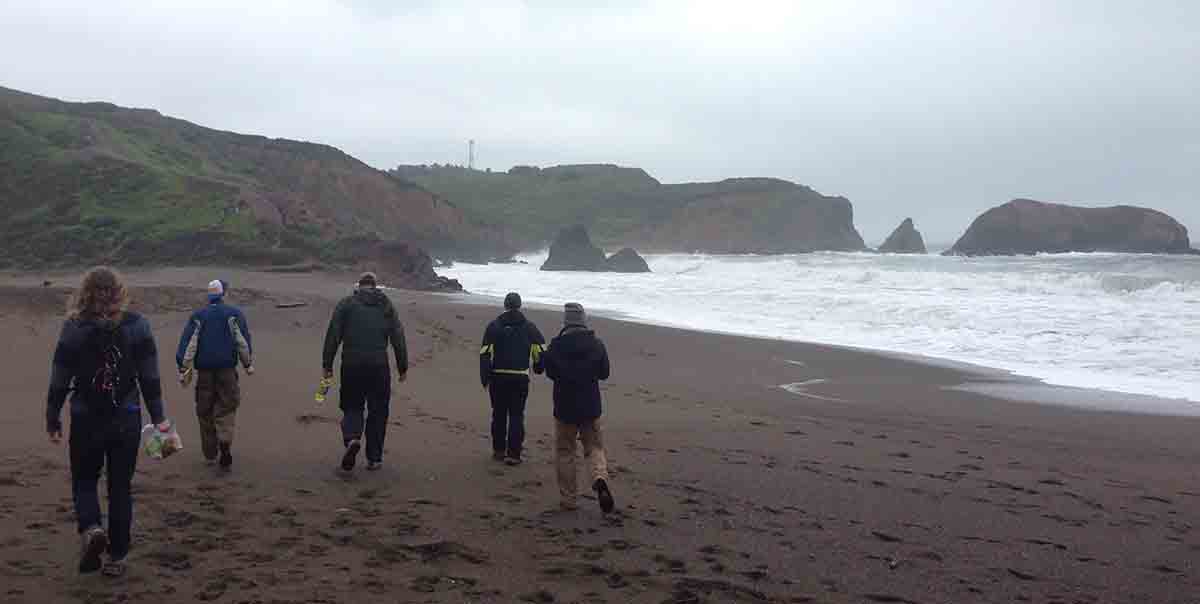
[{"x": 364, "y": 325}]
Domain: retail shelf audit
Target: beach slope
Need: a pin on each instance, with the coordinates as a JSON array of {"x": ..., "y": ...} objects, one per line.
[{"x": 867, "y": 479}]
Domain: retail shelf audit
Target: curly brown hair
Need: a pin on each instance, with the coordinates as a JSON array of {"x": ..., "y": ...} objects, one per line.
[{"x": 101, "y": 295}]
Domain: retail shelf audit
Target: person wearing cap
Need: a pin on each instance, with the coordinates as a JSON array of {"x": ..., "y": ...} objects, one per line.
[
  {"x": 364, "y": 325},
  {"x": 214, "y": 341},
  {"x": 512, "y": 345},
  {"x": 577, "y": 362}
]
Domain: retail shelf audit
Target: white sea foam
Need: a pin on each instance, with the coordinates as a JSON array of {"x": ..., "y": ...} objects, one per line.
[{"x": 1128, "y": 323}]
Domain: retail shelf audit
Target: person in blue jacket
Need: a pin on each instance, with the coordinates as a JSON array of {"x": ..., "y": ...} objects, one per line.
[{"x": 214, "y": 341}]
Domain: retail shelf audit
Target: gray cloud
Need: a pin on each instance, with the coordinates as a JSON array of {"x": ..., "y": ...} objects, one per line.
[{"x": 933, "y": 109}]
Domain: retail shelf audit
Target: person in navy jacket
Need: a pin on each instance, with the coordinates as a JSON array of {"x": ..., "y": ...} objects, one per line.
[{"x": 214, "y": 341}]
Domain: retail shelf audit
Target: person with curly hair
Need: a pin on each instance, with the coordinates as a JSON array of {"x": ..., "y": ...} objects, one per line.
[{"x": 107, "y": 361}]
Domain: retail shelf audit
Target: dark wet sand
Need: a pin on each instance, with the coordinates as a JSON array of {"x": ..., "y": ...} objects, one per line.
[{"x": 875, "y": 485}]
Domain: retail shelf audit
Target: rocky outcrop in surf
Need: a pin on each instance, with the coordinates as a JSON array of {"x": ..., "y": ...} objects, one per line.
[
  {"x": 1025, "y": 226},
  {"x": 627, "y": 261},
  {"x": 906, "y": 239},
  {"x": 573, "y": 250}
]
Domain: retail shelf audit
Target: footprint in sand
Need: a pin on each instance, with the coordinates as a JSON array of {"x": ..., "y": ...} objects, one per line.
[
  {"x": 313, "y": 418},
  {"x": 673, "y": 566},
  {"x": 441, "y": 583}
]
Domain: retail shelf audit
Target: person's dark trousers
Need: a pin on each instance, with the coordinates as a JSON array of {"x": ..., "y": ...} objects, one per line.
[
  {"x": 110, "y": 443},
  {"x": 508, "y": 413},
  {"x": 369, "y": 388}
]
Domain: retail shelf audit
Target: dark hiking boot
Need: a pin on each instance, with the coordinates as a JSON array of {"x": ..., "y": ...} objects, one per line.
[
  {"x": 351, "y": 456},
  {"x": 94, "y": 542},
  {"x": 374, "y": 466},
  {"x": 604, "y": 495},
  {"x": 115, "y": 569},
  {"x": 498, "y": 456},
  {"x": 226, "y": 460},
  {"x": 513, "y": 460}
]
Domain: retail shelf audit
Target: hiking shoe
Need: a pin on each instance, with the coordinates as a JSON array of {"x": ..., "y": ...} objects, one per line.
[
  {"x": 498, "y": 456},
  {"x": 95, "y": 541},
  {"x": 114, "y": 568},
  {"x": 351, "y": 456},
  {"x": 374, "y": 465},
  {"x": 226, "y": 457},
  {"x": 604, "y": 495},
  {"x": 513, "y": 460}
]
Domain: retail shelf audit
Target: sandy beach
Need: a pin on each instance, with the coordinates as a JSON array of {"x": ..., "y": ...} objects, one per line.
[{"x": 871, "y": 479}]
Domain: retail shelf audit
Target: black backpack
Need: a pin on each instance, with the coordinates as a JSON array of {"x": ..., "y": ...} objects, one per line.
[
  {"x": 106, "y": 373},
  {"x": 512, "y": 347}
]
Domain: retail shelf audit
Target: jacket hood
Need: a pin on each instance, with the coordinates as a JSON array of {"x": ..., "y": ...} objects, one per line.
[
  {"x": 572, "y": 330},
  {"x": 370, "y": 296},
  {"x": 576, "y": 340},
  {"x": 512, "y": 317},
  {"x": 126, "y": 317},
  {"x": 106, "y": 324}
]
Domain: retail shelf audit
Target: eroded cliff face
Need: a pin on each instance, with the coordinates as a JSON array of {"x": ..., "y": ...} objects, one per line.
[
  {"x": 625, "y": 206},
  {"x": 764, "y": 216}
]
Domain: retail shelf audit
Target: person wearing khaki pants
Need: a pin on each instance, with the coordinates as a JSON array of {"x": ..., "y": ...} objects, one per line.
[
  {"x": 593, "y": 451},
  {"x": 577, "y": 361},
  {"x": 214, "y": 342},
  {"x": 218, "y": 396}
]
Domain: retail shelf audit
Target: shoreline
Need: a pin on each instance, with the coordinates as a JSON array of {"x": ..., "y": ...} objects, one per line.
[
  {"x": 1006, "y": 384},
  {"x": 913, "y": 304},
  {"x": 1009, "y": 385}
]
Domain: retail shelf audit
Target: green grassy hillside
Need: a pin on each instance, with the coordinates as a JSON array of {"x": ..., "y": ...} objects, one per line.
[{"x": 88, "y": 182}]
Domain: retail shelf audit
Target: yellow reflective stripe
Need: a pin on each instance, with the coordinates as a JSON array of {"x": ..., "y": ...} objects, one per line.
[
  {"x": 486, "y": 350},
  {"x": 511, "y": 371},
  {"x": 535, "y": 352}
]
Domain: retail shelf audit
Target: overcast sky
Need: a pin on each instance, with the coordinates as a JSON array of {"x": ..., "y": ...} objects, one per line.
[{"x": 930, "y": 109}]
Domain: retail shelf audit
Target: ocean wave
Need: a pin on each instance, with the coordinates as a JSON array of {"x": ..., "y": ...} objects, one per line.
[{"x": 1121, "y": 322}]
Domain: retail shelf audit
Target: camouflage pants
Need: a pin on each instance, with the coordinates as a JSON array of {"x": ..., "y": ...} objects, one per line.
[{"x": 218, "y": 396}]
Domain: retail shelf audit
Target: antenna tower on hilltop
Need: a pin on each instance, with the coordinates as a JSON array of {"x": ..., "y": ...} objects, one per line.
[{"x": 471, "y": 154}]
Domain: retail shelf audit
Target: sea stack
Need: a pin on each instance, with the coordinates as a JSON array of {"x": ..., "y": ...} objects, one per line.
[
  {"x": 573, "y": 250},
  {"x": 1025, "y": 226},
  {"x": 906, "y": 239},
  {"x": 627, "y": 261}
]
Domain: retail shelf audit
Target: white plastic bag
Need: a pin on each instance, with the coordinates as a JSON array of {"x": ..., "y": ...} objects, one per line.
[{"x": 161, "y": 444}]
